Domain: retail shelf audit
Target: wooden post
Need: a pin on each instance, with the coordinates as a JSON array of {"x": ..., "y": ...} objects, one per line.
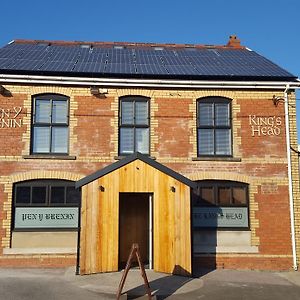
[{"x": 134, "y": 250}]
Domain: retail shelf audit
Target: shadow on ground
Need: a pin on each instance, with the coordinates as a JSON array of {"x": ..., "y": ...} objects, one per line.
[{"x": 167, "y": 286}]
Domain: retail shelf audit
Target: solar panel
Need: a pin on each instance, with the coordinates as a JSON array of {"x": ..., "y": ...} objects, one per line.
[{"x": 138, "y": 60}]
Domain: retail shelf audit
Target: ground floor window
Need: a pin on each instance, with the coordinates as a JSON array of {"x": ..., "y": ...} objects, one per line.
[
  {"x": 45, "y": 204},
  {"x": 221, "y": 204}
]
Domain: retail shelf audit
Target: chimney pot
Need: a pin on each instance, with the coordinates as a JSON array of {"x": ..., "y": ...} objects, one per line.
[{"x": 234, "y": 42}]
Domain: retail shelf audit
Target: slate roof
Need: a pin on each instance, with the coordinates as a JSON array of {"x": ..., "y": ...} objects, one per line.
[
  {"x": 146, "y": 159},
  {"x": 138, "y": 60}
]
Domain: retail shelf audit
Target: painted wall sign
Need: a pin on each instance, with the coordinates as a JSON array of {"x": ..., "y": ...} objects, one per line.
[
  {"x": 10, "y": 117},
  {"x": 220, "y": 217},
  {"x": 46, "y": 217},
  {"x": 265, "y": 126}
]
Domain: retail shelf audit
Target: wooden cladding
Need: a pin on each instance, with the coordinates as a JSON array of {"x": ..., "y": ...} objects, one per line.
[{"x": 171, "y": 219}]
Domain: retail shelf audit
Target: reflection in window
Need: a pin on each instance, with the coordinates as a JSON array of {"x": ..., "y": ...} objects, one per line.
[
  {"x": 134, "y": 125},
  {"x": 50, "y": 125},
  {"x": 214, "y": 127},
  {"x": 46, "y": 193},
  {"x": 220, "y": 193}
]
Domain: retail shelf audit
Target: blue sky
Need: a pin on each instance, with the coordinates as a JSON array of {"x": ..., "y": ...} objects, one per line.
[{"x": 270, "y": 27}]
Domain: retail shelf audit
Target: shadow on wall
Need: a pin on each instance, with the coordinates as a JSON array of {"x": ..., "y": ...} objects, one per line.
[{"x": 204, "y": 235}]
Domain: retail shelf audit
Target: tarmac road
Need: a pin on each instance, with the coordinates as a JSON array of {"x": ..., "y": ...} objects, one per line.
[{"x": 54, "y": 284}]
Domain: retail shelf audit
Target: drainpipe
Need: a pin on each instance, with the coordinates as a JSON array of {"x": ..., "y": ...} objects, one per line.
[{"x": 291, "y": 197}]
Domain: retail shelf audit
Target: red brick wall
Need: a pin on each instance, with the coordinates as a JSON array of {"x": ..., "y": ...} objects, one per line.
[
  {"x": 173, "y": 130},
  {"x": 94, "y": 128},
  {"x": 94, "y": 131},
  {"x": 274, "y": 220},
  {"x": 10, "y": 136},
  {"x": 261, "y": 144}
]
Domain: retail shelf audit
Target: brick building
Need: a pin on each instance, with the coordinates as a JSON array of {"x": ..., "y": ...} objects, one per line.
[{"x": 211, "y": 117}]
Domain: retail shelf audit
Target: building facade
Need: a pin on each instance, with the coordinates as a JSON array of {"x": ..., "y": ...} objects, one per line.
[{"x": 213, "y": 117}]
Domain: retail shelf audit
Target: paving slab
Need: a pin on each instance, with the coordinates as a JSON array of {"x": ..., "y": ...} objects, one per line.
[{"x": 52, "y": 284}]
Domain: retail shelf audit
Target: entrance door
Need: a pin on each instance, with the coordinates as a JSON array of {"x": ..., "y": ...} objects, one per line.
[{"x": 133, "y": 225}]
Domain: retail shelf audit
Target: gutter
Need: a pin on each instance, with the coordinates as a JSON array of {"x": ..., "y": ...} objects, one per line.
[{"x": 153, "y": 83}]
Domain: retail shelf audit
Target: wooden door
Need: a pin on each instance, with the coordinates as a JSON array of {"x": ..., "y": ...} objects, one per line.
[{"x": 133, "y": 225}]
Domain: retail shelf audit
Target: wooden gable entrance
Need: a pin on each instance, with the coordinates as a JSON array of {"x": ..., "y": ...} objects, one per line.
[{"x": 101, "y": 221}]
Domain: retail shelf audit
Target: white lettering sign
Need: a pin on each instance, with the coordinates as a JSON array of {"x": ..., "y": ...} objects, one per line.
[
  {"x": 214, "y": 217},
  {"x": 265, "y": 126},
  {"x": 10, "y": 117}
]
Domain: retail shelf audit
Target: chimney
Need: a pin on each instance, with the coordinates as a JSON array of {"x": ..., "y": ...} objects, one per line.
[{"x": 234, "y": 42}]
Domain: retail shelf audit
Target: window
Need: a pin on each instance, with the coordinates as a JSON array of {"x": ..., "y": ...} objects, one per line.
[
  {"x": 50, "y": 125},
  {"x": 45, "y": 204},
  {"x": 46, "y": 193},
  {"x": 134, "y": 125},
  {"x": 221, "y": 193},
  {"x": 221, "y": 204},
  {"x": 214, "y": 127}
]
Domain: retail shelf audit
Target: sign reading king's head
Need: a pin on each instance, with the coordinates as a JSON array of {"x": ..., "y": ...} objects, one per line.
[{"x": 265, "y": 126}]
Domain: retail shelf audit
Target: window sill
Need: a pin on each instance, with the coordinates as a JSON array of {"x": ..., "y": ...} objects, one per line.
[
  {"x": 215, "y": 158},
  {"x": 41, "y": 156},
  {"x": 124, "y": 156},
  {"x": 226, "y": 249},
  {"x": 14, "y": 251}
]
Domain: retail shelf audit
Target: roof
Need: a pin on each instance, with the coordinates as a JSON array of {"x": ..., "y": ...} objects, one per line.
[
  {"x": 146, "y": 159},
  {"x": 138, "y": 60}
]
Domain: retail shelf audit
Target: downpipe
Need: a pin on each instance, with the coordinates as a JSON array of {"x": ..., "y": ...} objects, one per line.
[{"x": 291, "y": 197}]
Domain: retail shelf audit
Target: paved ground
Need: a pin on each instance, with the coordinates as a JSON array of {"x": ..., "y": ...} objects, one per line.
[{"x": 41, "y": 284}]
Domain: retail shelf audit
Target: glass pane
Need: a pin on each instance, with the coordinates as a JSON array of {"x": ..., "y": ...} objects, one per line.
[
  {"x": 38, "y": 195},
  {"x": 126, "y": 140},
  {"x": 207, "y": 196},
  {"x": 239, "y": 195},
  {"x": 42, "y": 111},
  {"x": 57, "y": 195},
  {"x": 142, "y": 140},
  {"x": 59, "y": 140},
  {"x": 60, "y": 111},
  {"x": 23, "y": 195},
  {"x": 223, "y": 142},
  {"x": 224, "y": 196},
  {"x": 41, "y": 140},
  {"x": 141, "y": 113},
  {"x": 205, "y": 141},
  {"x": 73, "y": 195},
  {"x": 127, "y": 111},
  {"x": 205, "y": 114},
  {"x": 222, "y": 114}
]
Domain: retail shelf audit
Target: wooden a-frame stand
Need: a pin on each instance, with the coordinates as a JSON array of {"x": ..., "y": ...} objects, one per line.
[{"x": 134, "y": 250}]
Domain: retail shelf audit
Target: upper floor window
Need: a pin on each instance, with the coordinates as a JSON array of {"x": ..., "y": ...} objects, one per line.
[
  {"x": 214, "y": 127},
  {"x": 133, "y": 125},
  {"x": 50, "y": 124}
]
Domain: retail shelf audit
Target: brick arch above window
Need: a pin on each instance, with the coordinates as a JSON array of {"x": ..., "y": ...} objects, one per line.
[
  {"x": 221, "y": 176},
  {"x": 35, "y": 175},
  {"x": 39, "y": 90},
  {"x": 133, "y": 92}
]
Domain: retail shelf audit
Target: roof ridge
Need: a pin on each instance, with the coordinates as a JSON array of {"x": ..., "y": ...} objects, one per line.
[{"x": 129, "y": 44}]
